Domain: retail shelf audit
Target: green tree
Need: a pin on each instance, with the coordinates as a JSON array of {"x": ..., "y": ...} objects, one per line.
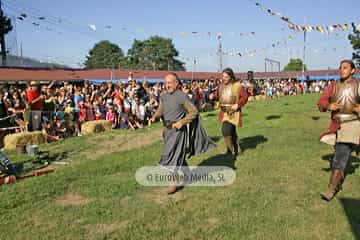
[
  {"x": 155, "y": 53},
  {"x": 355, "y": 42},
  {"x": 295, "y": 65},
  {"x": 5, "y": 28},
  {"x": 104, "y": 55}
]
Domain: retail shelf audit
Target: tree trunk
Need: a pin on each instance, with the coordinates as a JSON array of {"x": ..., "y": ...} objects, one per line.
[{"x": 3, "y": 50}]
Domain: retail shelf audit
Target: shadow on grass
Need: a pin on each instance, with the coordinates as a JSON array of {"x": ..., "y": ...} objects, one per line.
[
  {"x": 315, "y": 118},
  {"x": 39, "y": 161},
  {"x": 252, "y": 142},
  {"x": 210, "y": 114},
  {"x": 215, "y": 138},
  {"x": 220, "y": 160},
  {"x": 272, "y": 117},
  {"x": 352, "y": 210}
]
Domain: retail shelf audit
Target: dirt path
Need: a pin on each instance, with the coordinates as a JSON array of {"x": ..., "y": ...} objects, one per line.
[{"x": 120, "y": 143}]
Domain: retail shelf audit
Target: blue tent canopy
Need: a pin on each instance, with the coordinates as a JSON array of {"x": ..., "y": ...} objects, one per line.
[
  {"x": 322, "y": 77},
  {"x": 115, "y": 81}
]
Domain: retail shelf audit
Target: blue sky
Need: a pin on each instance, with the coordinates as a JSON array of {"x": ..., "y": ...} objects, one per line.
[{"x": 70, "y": 40}]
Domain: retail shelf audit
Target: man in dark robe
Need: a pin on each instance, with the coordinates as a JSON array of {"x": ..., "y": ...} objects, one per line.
[{"x": 176, "y": 110}]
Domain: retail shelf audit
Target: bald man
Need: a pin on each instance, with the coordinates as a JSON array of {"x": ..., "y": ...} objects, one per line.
[{"x": 177, "y": 111}]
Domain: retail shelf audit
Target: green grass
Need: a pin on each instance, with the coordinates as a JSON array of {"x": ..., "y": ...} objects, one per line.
[{"x": 275, "y": 194}]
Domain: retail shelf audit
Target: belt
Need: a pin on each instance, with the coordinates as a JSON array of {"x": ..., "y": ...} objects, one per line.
[
  {"x": 346, "y": 117},
  {"x": 168, "y": 124},
  {"x": 227, "y": 108}
]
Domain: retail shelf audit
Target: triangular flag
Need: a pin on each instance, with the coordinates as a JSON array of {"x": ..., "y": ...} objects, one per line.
[
  {"x": 92, "y": 27},
  {"x": 320, "y": 29},
  {"x": 358, "y": 27},
  {"x": 344, "y": 27}
]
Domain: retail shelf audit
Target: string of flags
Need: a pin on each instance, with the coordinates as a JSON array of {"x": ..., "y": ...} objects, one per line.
[
  {"x": 325, "y": 29},
  {"x": 307, "y": 28},
  {"x": 24, "y": 16},
  {"x": 292, "y": 26},
  {"x": 40, "y": 20},
  {"x": 250, "y": 53},
  {"x": 272, "y": 12},
  {"x": 254, "y": 52}
]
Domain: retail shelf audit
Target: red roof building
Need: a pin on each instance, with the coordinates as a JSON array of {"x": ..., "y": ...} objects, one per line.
[{"x": 33, "y": 74}]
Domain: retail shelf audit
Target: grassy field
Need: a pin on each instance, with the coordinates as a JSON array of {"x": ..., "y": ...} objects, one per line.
[{"x": 275, "y": 194}]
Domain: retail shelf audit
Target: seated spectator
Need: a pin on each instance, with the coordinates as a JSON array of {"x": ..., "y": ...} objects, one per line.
[
  {"x": 49, "y": 131},
  {"x": 82, "y": 112},
  {"x": 111, "y": 116},
  {"x": 134, "y": 123},
  {"x": 124, "y": 121}
]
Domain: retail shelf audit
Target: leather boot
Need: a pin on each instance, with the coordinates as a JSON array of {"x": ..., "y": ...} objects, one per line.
[
  {"x": 333, "y": 187},
  {"x": 237, "y": 147},
  {"x": 339, "y": 187},
  {"x": 229, "y": 144}
]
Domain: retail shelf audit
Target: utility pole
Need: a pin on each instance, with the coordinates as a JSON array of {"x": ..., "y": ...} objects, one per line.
[
  {"x": 304, "y": 54},
  {"x": 220, "y": 53},
  {"x": 21, "y": 55},
  {"x": 194, "y": 64}
]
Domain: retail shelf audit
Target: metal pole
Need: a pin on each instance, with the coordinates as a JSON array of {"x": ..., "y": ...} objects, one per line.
[
  {"x": 303, "y": 66},
  {"x": 21, "y": 55},
  {"x": 193, "y": 70},
  {"x": 265, "y": 64},
  {"x": 220, "y": 56}
]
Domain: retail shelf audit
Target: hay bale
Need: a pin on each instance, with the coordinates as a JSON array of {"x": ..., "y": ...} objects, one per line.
[
  {"x": 23, "y": 139},
  {"x": 258, "y": 97},
  {"x": 95, "y": 126}
]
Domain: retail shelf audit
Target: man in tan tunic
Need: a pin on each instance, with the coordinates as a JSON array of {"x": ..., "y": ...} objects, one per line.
[
  {"x": 343, "y": 100},
  {"x": 232, "y": 97}
]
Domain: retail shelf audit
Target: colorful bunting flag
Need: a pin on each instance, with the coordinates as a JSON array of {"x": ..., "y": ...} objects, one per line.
[{"x": 92, "y": 27}]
